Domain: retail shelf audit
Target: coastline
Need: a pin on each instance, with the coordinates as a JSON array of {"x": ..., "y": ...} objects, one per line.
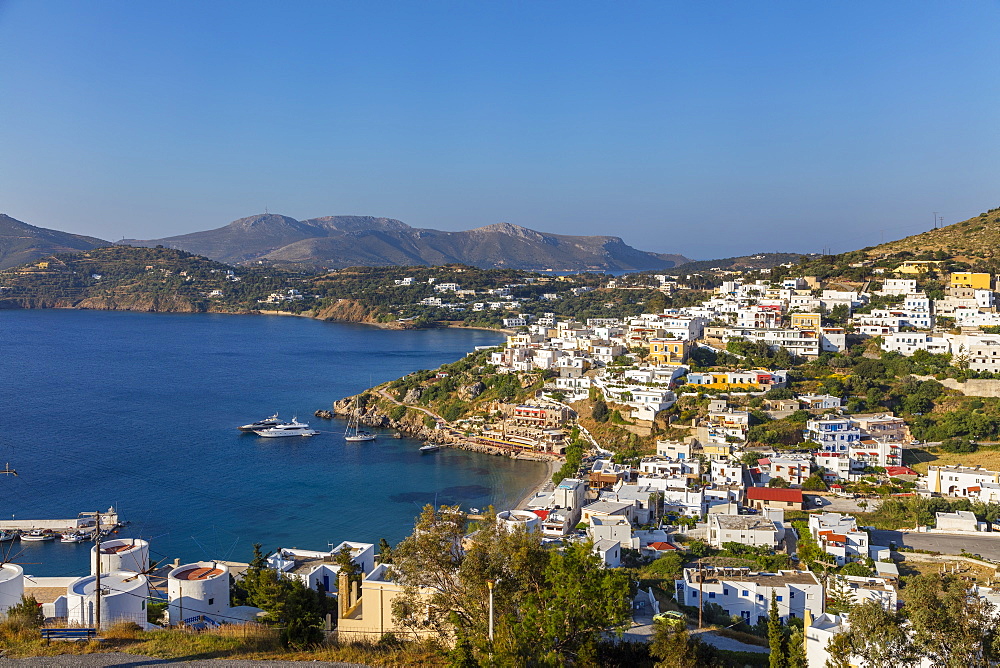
[{"x": 553, "y": 466}]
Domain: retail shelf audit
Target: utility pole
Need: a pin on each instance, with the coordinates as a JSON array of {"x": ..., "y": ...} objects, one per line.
[
  {"x": 489, "y": 583},
  {"x": 701, "y": 579},
  {"x": 935, "y": 220},
  {"x": 97, "y": 573}
]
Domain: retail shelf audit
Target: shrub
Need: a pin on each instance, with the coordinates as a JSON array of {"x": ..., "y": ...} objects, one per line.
[{"x": 28, "y": 612}]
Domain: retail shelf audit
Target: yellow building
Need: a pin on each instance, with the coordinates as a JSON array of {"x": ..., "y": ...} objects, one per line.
[
  {"x": 806, "y": 320},
  {"x": 668, "y": 351},
  {"x": 917, "y": 266},
  {"x": 971, "y": 280}
]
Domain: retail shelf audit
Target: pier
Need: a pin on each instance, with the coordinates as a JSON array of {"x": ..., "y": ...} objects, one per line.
[{"x": 109, "y": 518}]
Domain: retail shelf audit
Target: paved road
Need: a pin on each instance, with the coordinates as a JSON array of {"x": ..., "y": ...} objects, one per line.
[
  {"x": 987, "y": 545},
  {"x": 120, "y": 660},
  {"x": 727, "y": 644}
]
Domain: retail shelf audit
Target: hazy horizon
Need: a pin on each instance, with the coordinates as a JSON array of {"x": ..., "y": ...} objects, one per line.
[{"x": 704, "y": 130}]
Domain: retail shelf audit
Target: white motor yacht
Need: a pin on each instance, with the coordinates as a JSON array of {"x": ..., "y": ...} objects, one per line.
[
  {"x": 293, "y": 428},
  {"x": 430, "y": 447},
  {"x": 73, "y": 537},
  {"x": 266, "y": 423}
]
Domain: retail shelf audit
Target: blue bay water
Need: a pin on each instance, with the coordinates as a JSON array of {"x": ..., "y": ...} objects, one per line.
[{"x": 140, "y": 411}]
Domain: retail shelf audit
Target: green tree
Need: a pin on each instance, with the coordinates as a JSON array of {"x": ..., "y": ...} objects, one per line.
[
  {"x": 775, "y": 635},
  {"x": 600, "y": 412},
  {"x": 581, "y": 601},
  {"x": 673, "y": 646},
  {"x": 814, "y": 483},
  {"x": 343, "y": 559},
  {"x": 876, "y": 636},
  {"x": 27, "y": 612},
  {"x": 550, "y": 605},
  {"x": 952, "y": 626},
  {"x": 797, "y": 649},
  {"x": 779, "y": 483},
  {"x": 384, "y": 551}
]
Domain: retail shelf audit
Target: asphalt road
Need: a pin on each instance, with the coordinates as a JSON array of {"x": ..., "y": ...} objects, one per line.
[{"x": 987, "y": 545}]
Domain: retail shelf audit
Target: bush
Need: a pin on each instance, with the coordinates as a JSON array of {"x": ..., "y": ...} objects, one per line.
[
  {"x": 397, "y": 413},
  {"x": 28, "y": 612}
]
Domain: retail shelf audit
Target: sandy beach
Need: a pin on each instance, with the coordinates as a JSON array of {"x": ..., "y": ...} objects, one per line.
[{"x": 553, "y": 466}]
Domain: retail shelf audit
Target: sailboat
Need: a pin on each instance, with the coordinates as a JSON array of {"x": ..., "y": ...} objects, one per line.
[{"x": 354, "y": 433}]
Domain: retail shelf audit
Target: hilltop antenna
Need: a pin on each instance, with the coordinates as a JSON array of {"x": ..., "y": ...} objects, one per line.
[
  {"x": 935, "y": 220},
  {"x": 266, "y": 212}
]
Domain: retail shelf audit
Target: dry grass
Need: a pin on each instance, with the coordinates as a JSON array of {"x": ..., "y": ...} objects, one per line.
[
  {"x": 246, "y": 642},
  {"x": 918, "y": 459},
  {"x": 981, "y": 574},
  {"x": 975, "y": 237}
]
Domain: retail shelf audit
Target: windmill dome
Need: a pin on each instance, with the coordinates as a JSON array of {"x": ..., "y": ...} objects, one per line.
[
  {"x": 11, "y": 585},
  {"x": 121, "y": 554}
]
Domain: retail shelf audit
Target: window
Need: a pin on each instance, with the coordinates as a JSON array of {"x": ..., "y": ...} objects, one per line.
[
  {"x": 779, "y": 598},
  {"x": 791, "y": 594},
  {"x": 711, "y": 594},
  {"x": 760, "y": 597},
  {"x": 745, "y": 593},
  {"x": 725, "y": 592},
  {"x": 211, "y": 601}
]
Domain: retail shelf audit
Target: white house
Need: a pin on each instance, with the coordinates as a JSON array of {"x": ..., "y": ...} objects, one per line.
[
  {"x": 742, "y": 592},
  {"x": 838, "y": 536},
  {"x": 745, "y": 529},
  {"x": 315, "y": 568}
]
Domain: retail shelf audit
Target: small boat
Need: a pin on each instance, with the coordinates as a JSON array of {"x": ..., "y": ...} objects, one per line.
[
  {"x": 6, "y": 536},
  {"x": 73, "y": 537},
  {"x": 293, "y": 428},
  {"x": 266, "y": 423},
  {"x": 38, "y": 535},
  {"x": 430, "y": 447},
  {"x": 354, "y": 433}
]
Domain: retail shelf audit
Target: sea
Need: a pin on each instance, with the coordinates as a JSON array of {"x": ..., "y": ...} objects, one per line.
[{"x": 139, "y": 411}]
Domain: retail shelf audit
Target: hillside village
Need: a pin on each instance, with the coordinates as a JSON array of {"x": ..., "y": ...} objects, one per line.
[
  {"x": 780, "y": 458},
  {"x": 766, "y": 440}
]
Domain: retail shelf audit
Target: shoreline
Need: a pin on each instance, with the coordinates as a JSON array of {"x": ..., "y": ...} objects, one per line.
[
  {"x": 394, "y": 325},
  {"x": 550, "y": 470}
]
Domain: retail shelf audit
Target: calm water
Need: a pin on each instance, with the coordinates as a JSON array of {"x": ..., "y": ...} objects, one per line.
[{"x": 139, "y": 411}]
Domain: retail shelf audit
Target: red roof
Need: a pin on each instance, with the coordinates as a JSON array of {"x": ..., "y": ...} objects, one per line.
[
  {"x": 774, "y": 494},
  {"x": 899, "y": 470},
  {"x": 542, "y": 514},
  {"x": 660, "y": 546}
]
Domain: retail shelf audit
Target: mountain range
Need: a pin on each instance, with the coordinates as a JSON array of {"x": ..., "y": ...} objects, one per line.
[
  {"x": 344, "y": 241},
  {"x": 21, "y": 243}
]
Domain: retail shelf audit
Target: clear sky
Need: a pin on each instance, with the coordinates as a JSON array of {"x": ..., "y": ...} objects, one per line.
[{"x": 709, "y": 129}]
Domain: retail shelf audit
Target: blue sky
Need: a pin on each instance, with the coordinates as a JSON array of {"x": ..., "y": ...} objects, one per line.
[{"x": 707, "y": 129}]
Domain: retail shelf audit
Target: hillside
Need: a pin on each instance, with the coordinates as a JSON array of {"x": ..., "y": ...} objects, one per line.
[
  {"x": 977, "y": 237},
  {"x": 139, "y": 279},
  {"x": 745, "y": 262},
  {"x": 21, "y": 243},
  {"x": 343, "y": 241}
]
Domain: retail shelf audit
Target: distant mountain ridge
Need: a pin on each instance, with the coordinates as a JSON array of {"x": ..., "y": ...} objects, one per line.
[
  {"x": 343, "y": 241},
  {"x": 21, "y": 243}
]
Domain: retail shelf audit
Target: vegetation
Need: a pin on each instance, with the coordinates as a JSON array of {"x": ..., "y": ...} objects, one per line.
[{"x": 537, "y": 591}]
